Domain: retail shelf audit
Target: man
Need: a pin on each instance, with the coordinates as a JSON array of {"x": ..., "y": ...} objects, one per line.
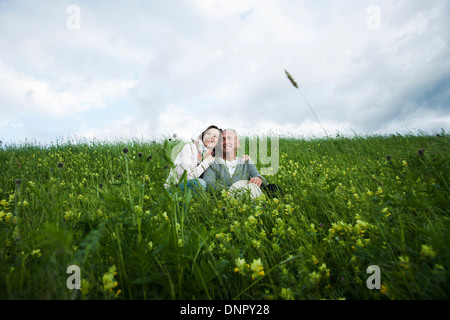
[{"x": 235, "y": 174}]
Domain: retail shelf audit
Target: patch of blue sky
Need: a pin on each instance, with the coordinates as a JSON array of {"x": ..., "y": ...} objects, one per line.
[{"x": 246, "y": 14}]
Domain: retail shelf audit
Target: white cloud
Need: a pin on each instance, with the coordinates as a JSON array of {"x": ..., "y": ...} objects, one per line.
[
  {"x": 120, "y": 128},
  {"x": 30, "y": 94},
  {"x": 218, "y": 9}
]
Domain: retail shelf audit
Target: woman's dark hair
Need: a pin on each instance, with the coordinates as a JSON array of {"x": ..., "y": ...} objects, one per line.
[
  {"x": 217, "y": 151},
  {"x": 211, "y": 127}
]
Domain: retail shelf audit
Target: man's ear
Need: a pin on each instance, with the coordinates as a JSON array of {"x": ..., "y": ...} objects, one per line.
[{"x": 238, "y": 143}]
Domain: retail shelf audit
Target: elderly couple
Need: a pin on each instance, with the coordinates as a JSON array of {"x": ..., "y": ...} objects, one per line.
[{"x": 210, "y": 163}]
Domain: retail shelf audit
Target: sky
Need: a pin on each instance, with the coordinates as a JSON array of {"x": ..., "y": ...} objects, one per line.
[{"x": 108, "y": 70}]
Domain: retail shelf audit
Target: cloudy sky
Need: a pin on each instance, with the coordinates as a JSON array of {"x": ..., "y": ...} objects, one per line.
[{"x": 146, "y": 69}]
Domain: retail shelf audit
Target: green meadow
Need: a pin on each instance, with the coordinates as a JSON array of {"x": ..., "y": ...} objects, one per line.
[{"x": 348, "y": 203}]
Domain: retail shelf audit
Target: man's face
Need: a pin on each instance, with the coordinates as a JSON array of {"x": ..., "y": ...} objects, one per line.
[{"x": 230, "y": 142}]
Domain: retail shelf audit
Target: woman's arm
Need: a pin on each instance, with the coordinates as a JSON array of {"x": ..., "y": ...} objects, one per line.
[{"x": 187, "y": 160}]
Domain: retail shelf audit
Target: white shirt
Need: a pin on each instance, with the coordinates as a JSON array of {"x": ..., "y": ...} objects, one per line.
[
  {"x": 231, "y": 165},
  {"x": 187, "y": 160}
]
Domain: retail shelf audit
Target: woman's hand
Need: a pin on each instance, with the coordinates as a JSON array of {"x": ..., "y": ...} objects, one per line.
[
  {"x": 246, "y": 157},
  {"x": 210, "y": 159}
]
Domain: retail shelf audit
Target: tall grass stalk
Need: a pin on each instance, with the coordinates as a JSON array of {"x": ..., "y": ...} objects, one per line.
[{"x": 310, "y": 108}]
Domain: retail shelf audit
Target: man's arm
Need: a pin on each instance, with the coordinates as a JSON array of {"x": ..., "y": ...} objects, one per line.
[
  {"x": 210, "y": 176},
  {"x": 254, "y": 175}
]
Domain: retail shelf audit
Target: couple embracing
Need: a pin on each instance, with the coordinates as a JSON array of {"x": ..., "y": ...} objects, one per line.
[{"x": 211, "y": 163}]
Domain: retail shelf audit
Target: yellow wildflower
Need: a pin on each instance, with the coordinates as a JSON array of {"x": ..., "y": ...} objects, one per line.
[
  {"x": 240, "y": 265},
  {"x": 314, "y": 277},
  {"x": 257, "y": 268},
  {"x": 315, "y": 260},
  {"x": 404, "y": 261},
  {"x": 383, "y": 289},
  {"x": 427, "y": 251},
  {"x": 323, "y": 269},
  {"x": 287, "y": 294},
  {"x": 8, "y": 216},
  {"x": 256, "y": 243},
  {"x": 108, "y": 279},
  {"x": 85, "y": 285},
  {"x": 36, "y": 252}
]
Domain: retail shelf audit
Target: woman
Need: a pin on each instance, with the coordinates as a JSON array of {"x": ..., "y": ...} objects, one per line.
[{"x": 195, "y": 158}]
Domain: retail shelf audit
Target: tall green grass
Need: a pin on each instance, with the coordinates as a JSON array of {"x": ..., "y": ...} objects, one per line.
[{"x": 348, "y": 203}]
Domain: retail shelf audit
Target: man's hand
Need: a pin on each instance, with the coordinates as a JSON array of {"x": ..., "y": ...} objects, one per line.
[{"x": 256, "y": 180}]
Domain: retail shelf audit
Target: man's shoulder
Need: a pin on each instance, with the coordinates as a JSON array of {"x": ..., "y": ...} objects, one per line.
[
  {"x": 245, "y": 163},
  {"x": 237, "y": 161},
  {"x": 215, "y": 165},
  {"x": 218, "y": 162}
]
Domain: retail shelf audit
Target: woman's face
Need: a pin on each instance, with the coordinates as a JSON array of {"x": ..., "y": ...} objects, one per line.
[{"x": 210, "y": 138}]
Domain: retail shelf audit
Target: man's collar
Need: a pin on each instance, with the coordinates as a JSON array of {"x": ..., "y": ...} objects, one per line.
[{"x": 222, "y": 161}]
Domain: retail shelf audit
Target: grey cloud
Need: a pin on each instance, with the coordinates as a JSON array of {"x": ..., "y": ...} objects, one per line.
[
  {"x": 398, "y": 74},
  {"x": 231, "y": 67}
]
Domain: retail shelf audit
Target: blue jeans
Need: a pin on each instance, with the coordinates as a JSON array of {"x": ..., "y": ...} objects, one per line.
[{"x": 194, "y": 184}]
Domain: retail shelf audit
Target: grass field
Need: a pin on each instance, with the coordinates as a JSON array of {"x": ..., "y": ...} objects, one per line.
[{"x": 348, "y": 203}]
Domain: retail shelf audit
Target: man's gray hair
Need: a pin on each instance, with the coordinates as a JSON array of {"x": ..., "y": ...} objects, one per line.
[{"x": 232, "y": 130}]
